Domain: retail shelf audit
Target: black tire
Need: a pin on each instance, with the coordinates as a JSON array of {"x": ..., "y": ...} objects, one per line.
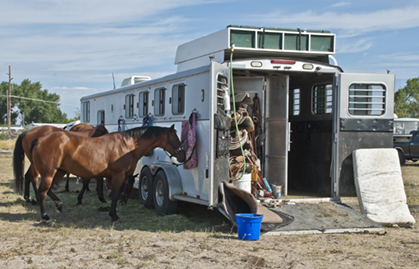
[
  {"x": 401, "y": 157},
  {"x": 145, "y": 188},
  {"x": 162, "y": 203}
]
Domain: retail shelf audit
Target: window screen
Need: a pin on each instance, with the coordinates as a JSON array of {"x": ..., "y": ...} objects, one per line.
[
  {"x": 322, "y": 99},
  {"x": 159, "y": 102},
  {"x": 367, "y": 99},
  {"x": 101, "y": 117},
  {"x": 143, "y": 109},
  {"x": 295, "y": 102},
  {"x": 178, "y": 99},
  {"x": 129, "y": 106},
  {"x": 86, "y": 111}
]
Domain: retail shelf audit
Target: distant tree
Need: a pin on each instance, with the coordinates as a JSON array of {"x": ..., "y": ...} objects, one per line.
[
  {"x": 4, "y": 91},
  {"x": 34, "y": 110},
  {"x": 406, "y": 100},
  {"x": 77, "y": 117}
]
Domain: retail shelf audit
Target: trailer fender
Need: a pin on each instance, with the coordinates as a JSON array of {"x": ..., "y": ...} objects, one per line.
[{"x": 173, "y": 178}]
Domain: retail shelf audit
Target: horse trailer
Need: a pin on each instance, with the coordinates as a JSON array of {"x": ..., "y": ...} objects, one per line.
[{"x": 310, "y": 115}]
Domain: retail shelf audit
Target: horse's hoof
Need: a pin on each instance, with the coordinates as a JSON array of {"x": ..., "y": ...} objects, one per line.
[
  {"x": 103, "y": 200},
  {"x": 117, "y": 221},
  {"x": 79, "y": 203},
  {"x": 88, "y": 191},
  {"x": 58, "y": 211},
  {"x": 34, "y": 202}
]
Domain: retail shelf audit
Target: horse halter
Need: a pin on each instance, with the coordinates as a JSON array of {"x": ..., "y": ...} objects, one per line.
[{"x": 170, "y": 143}]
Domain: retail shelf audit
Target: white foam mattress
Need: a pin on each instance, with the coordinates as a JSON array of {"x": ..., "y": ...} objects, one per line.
[{"x": 379, "y": 186}]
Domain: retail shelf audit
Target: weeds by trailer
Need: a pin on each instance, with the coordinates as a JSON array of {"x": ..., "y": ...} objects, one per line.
[{"x": 312, "y": 114}]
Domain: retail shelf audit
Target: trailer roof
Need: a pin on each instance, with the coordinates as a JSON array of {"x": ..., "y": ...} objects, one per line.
[{"x": 255, "y": 40}]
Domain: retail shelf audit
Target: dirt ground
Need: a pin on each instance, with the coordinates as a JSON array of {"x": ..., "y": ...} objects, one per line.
[{"x": 84, "y": 237}]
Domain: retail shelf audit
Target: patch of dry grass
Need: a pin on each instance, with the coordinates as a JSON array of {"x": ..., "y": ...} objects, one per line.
[
  {"x": 410, "y": 173},
  {"x": 7, "y": 144}
]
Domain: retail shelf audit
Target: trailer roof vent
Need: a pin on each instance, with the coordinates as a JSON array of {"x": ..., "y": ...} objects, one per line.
[{"x": 134, "y": 80}]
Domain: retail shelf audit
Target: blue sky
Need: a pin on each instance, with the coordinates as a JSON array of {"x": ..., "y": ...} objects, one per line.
[{"x": 73, "y": 47}]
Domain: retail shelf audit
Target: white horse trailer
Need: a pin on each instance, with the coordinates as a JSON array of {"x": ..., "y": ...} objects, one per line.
[{"x": 313, "y": 115}]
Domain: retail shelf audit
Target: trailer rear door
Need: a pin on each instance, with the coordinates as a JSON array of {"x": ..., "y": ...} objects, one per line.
[{"x": 363, "y": 118}]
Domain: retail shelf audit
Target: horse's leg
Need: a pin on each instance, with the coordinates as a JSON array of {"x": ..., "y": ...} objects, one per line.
[
  {"x": 99, "y": 189},
  {"x": 28, "y": 180},
  {"x": 87, "y": 187},
  {"x": 42, "y": 192},
  {"x": 57, "y": 177},
  {"x": 67, "y": 184},
  {"x": 112, "y": 210},
  {"x": 114, "y": 184},
  {"x": 83, "y": 189}
]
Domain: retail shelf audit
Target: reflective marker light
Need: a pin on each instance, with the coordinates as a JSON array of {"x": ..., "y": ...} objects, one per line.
[
  {"x": 256, "y": 64},
  {"x": 282, "y": 62},
  {"x": 307, "y": 66}
]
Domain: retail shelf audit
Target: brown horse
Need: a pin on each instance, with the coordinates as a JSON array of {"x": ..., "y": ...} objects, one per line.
[
  {"x": 114, "y": 156},
  {"x": 22, "y": 147},
  {"x": 83, "y": 127}
]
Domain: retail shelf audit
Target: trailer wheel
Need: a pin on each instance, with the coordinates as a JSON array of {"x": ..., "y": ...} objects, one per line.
[
  {"x": 145, "y": 188},
  {"x": 162, "y": 203},
  {"x": 401, "y": 157}
]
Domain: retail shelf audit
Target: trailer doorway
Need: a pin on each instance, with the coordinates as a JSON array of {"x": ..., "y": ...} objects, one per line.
[
  {"x": 272, "y": 136},
  {"x": 311, "y": 100},
  {"x": 296, "y": 118}
]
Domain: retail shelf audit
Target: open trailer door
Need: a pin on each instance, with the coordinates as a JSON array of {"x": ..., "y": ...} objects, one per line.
[
  {"x": 217, "y": 160},
  {"x": 364, "y": 119}
]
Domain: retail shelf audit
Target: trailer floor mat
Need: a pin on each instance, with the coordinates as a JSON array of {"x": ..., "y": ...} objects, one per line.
[
  {"x": 326, "y": 217},
  {"x": 273, "y": 219}
]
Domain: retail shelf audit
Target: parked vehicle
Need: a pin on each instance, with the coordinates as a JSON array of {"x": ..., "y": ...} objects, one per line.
[
  {"x": 312, "y": 114},
  {"x": 408, "y": 149}
]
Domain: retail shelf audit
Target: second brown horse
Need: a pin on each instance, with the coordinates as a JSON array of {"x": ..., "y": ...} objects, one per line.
[{"x": 113, "y": 156}]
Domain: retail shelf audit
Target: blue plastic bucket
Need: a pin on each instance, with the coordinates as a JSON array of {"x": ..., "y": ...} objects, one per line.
[{"x": 248, "y": 226}]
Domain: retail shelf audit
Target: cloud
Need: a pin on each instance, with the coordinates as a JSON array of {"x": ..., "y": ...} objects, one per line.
[
  {"x": 340, "y": 4},
  {"x": 349, "y": 24},
  {"x": 351, "y": 46}
]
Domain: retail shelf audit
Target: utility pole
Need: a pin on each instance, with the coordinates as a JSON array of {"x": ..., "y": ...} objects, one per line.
[{"x": 9, "y": 101}]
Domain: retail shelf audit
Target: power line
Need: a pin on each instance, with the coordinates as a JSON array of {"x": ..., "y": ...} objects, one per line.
[{"x": 32, "y": 99}]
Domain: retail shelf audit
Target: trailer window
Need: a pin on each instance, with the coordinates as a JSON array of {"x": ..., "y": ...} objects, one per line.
[
  {"x": 295, "y": 102},
  {"x": 101, "y": 117},
  {"x": 322, "y": 99},
  {"x": 143, "y": 109},
  {"x": 159, "y": 102},
  {"x": 129, "y": 106},
  {"x": 86, "y": 111},
  {"x": 178, "y": 99},
  {"x": 367, "y": 99}
]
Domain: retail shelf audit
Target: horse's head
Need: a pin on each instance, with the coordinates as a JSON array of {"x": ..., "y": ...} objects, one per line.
[
  {"x": 100, "y": 130},
  {"x": 173, "y": 145}
]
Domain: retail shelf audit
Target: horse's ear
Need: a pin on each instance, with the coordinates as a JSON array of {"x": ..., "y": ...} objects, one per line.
[{"x": 172, "y": 128}]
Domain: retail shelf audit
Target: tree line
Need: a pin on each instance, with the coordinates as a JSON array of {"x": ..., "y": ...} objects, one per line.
[
  {"x": 31, "y": 103},
  {"x": 406, "y": 100}
]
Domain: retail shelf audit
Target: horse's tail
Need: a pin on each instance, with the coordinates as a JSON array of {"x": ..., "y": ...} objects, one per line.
[{"x": 19, "y": 162}]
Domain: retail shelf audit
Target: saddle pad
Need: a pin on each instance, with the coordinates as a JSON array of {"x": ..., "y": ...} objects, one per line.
[{"x": 379, "y": 186}]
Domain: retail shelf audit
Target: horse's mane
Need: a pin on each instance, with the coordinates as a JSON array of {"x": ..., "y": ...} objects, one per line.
[{"x": 145, "y": 132}]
